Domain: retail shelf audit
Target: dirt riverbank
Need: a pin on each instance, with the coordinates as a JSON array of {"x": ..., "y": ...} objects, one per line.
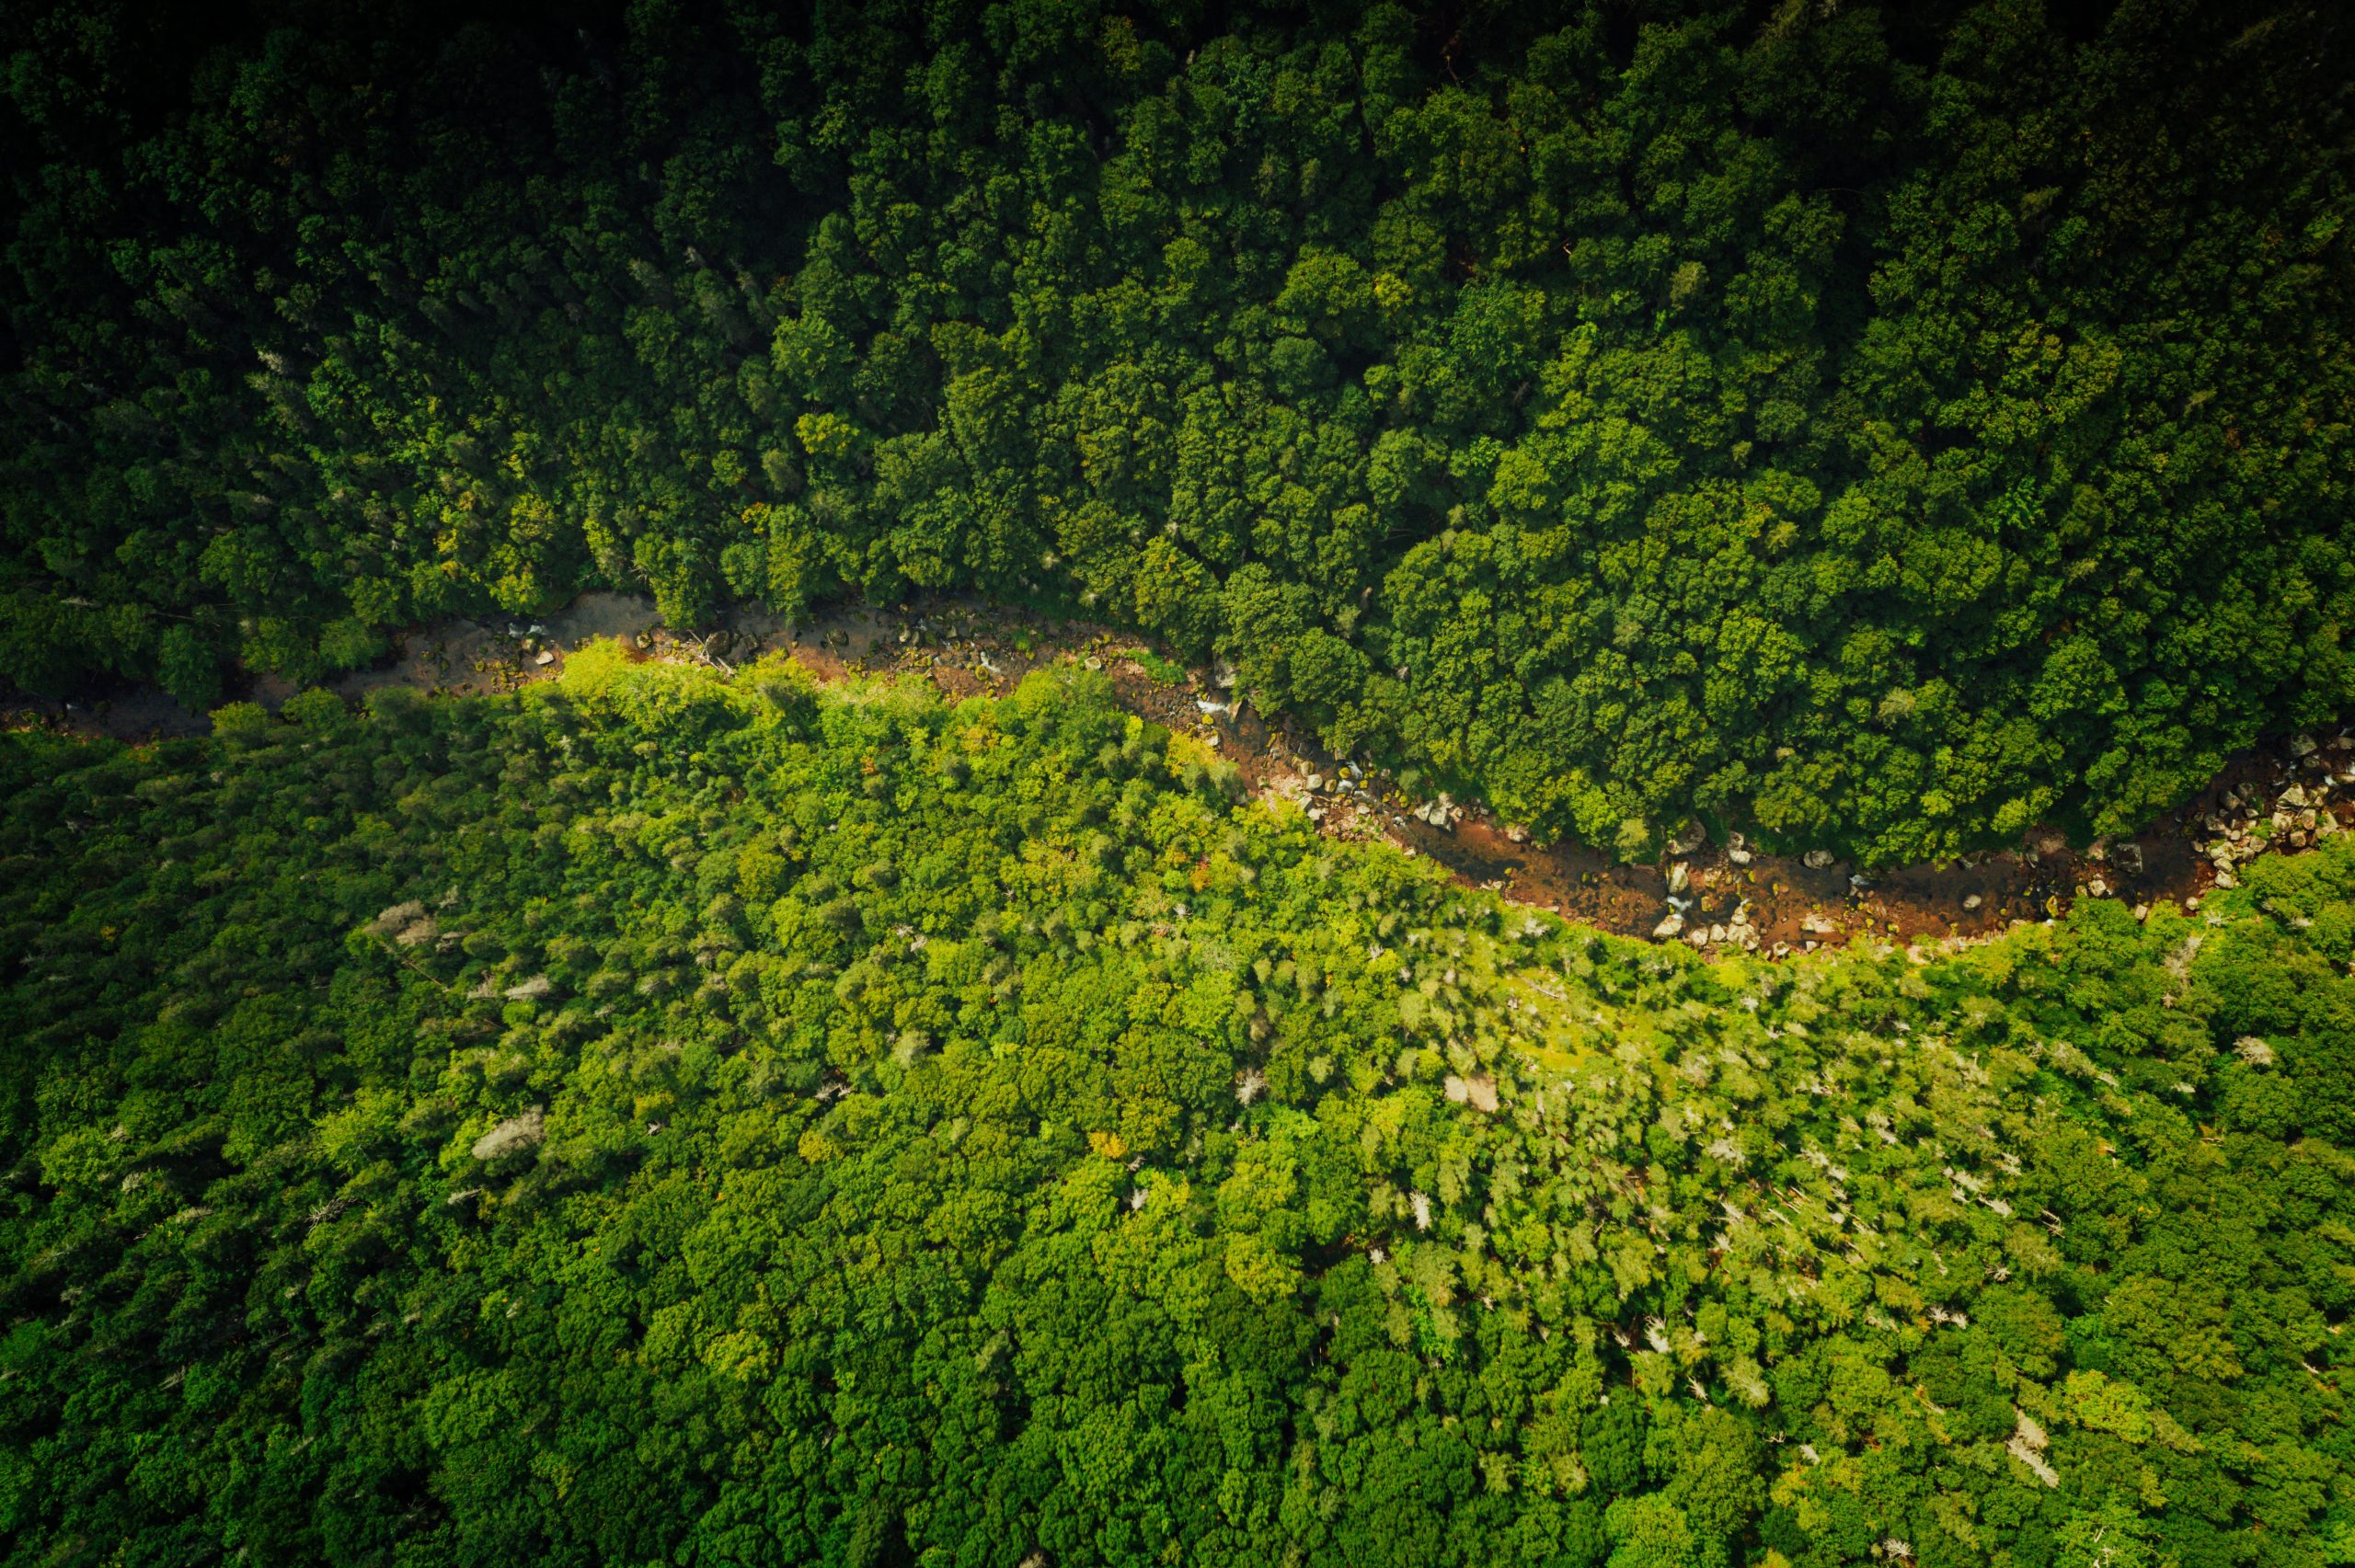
[{"x": 1715, "y": 895}]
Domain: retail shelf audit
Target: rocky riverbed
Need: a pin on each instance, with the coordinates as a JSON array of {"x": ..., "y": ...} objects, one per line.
[{"x": 1714, "y": 895}]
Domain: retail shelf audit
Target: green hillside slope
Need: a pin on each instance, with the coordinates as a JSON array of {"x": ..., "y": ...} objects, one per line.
[{"x": 652, "y": 1118}]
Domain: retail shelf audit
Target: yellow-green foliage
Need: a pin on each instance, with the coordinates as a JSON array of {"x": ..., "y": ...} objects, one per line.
[{"x": 655, "y": 1117}]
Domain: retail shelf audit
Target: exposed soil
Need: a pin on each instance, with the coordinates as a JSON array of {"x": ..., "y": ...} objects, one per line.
[{"x": 2276, "y": 799}]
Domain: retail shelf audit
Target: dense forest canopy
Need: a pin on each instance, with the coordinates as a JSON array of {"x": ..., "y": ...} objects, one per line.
[
  {"x": 688, "y": 1115},
  {"x": 660, "y": 1119},
  {"x": 1887, "y": 427}
]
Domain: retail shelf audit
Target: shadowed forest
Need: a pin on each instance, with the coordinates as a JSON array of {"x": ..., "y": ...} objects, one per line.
[{"x": 1887, "y": 428}]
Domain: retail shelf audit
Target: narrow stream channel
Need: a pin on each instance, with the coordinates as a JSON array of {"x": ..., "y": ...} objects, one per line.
[{"x": 1718, "y": 896}]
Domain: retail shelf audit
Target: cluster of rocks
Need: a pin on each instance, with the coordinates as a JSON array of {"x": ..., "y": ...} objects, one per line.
[
  {"x": 1441, "y": 813},
  {"x": 2126, "y": 857},
  {"x": 1345, "y": 783},
  {"x": 532, "y": 643},
  {"x": 2293, "y": 812},
  {"x": 720, "y": 646},
  {"x": 1735, "y": 929},
  {"x": 1691, "y": 893},
  {"x": 953, "y": 633},
  {"x": 724, "y": 643},
  {"x": 948, "y": 638}
]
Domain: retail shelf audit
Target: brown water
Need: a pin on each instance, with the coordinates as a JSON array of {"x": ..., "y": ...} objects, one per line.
[{"x": 968, "y": 647}]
